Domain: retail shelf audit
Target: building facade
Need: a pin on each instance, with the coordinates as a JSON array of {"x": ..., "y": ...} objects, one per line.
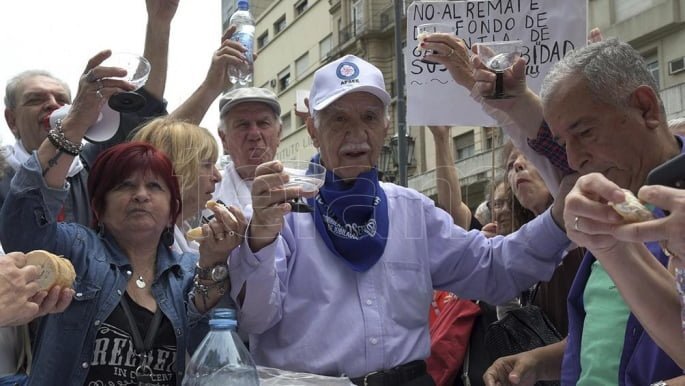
[{"x": 294, "y": 38}]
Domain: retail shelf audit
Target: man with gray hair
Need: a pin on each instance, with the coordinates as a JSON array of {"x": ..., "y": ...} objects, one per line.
[
  {"x": 602, "y": 105},
  {"x": 31, "y": 96},
  {"x": 344, "y": 290},
  {"x": 250, "y": 133}
]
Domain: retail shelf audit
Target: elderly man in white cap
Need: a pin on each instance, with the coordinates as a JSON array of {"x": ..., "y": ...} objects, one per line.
[
  {"x": 345, "y": 290},
  {"x": 250, "y": 133}
]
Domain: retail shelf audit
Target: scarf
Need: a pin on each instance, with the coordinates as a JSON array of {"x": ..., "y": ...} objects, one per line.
[
  {"x": 352, "y": 219},
  {"x": 233, "y": 190},
  {"x": 16, "y": 155}
]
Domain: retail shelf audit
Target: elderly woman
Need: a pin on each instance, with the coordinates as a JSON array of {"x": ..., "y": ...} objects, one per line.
[
  {"x": 530, "y": 191},
  {"x": 194, "y": 153},
  {"x": 129, "y": 318}
]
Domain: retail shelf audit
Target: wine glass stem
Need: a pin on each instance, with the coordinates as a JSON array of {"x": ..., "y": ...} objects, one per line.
[{"x": 499, "y": 83}]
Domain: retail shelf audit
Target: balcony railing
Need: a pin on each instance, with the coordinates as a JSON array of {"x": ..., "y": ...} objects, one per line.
[
  {"x": 387, "y": 18},
  {"x": 470, "y": 170},
  {"x": 346, "y": 34}
]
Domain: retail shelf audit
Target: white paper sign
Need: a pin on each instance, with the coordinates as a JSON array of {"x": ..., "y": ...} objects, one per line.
[{"x": 548, "y": 28}]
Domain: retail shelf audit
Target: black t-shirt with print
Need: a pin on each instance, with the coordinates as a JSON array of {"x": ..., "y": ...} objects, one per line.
[{"x": 114, "y": 359}]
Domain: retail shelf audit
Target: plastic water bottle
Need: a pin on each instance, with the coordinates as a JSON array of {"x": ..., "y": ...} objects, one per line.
[
  {"x": 221, "y": 359},
  {"x": 244, "y": 34}
]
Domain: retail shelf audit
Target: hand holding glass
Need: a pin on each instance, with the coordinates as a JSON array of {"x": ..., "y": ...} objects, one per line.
[
  {"x": 137, "y": 71},
  {"x": 309, "y": 176},
  {"x": 498, "y": 57},
  {"x": 423, "y": 30}
]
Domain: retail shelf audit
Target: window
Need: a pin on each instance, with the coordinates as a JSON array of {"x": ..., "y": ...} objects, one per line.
[
  {"x": 325, "y": 47},
  {"x": 263, "y": 39},
  {"x": 300, "y": 7},
  {"x": 492, "y": 137},
  {"x": 286, "y": 122},
  {"x": 301, "y": 65},
  {"x": 284, "y": 79},
  {"x": 653, "y": 67},
  {"x": 464, "y": 146},
  {"x": 358, "y": 16},
  {"x": 279, "y": 25}
]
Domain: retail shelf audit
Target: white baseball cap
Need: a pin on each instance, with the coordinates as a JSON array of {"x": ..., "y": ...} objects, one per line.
[{"x": 343, "y": 76}]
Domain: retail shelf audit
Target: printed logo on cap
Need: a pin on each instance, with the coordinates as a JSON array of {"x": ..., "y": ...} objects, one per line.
[{"x": 348, "y": 72}]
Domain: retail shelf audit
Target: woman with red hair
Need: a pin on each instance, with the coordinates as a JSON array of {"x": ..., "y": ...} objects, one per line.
[{"x": 129, "y": 317}]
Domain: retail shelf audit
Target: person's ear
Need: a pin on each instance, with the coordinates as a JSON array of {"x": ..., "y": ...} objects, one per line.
[
  {"x": 313, "y": 132},
  {"x": 11, "y": 120},
  {"x": 645, "y": 99}
]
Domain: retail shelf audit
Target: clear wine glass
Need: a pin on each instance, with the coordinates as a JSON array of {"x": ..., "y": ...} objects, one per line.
[
  {"x": 137, "y": 71},
  {"x": 309, "y": 176},
  {"x": 498, "y": 57}
]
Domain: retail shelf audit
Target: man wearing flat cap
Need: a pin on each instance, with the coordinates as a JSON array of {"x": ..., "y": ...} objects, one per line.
[
  {"x": 345, "y": 290},
  {"x": 250, "y": 134}
]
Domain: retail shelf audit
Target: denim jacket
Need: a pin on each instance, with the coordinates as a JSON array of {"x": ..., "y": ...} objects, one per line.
[{"x": 65, "y": 342}]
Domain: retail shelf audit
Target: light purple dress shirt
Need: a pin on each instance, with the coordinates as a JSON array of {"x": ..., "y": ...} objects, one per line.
[{"x": 306, "y": 310}]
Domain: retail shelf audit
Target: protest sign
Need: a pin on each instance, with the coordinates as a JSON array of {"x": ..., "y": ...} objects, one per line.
[{"x": 548, "y": 28}]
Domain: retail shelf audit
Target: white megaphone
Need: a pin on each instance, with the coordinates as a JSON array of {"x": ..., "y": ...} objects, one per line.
[{"x": 102, "y": 130}]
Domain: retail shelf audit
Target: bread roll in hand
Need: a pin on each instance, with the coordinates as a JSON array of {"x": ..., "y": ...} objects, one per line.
[
  {"x": 632, "y": 210},
  {"x": 56, "y": 270},
  {"x": 196, "y": 233}
]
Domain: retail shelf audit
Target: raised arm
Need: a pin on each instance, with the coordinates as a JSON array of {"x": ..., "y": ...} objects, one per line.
[
  {"x": 447, "y": 178},
  {"x": 58, "y": 150},
  {"x": 160, "y": 13},
  {"x": 228, "y": 54}
]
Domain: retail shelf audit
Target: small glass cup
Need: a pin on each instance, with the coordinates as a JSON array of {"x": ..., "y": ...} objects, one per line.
[
  {"x": 423, "y": 30},
  {"x": 497, "y": 57},
  {"x": 309, "y": 176},
  {"x": 137, "y": 71}
]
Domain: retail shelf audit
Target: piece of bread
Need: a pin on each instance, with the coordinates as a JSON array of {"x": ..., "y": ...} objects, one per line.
[
  {"x": 211, "y": 203},
  {"x": 195, "y": 234},
  {"x": 56, "y": 270},
  {"x": 632, "y": 210}
]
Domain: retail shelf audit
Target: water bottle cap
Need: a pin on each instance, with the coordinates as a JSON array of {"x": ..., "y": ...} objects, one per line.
[
  {"x": 243, "y": 4},
  {"x": 223, "y": 324},
  {"x": 223, "y": 313}
]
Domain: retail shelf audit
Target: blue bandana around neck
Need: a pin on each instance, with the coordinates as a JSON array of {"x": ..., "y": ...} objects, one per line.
[{"x": 352, "y": 219}]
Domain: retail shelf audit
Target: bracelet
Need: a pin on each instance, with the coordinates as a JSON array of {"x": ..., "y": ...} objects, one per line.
[
  {"x": 60, "y": 141},
  {"x": 204, "y": 289}
]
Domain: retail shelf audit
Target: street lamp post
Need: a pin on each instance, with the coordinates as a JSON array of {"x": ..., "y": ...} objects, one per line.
[{"x": 400, "y": 101}]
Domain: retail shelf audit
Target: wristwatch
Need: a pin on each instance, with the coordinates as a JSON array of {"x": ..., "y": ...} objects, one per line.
[{"x": 216, "y": 273}]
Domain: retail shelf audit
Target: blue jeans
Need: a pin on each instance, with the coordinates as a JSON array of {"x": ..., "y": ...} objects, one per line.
[{"x": 14, "y": 380}]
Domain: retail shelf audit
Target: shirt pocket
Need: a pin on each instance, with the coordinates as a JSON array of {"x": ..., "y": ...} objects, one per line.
[
  {"x": 82, "y": 307},
  {"x": 408, "y": 293}
]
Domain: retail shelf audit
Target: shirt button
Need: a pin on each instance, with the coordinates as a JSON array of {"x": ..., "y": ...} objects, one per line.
[
  {"x": 79, "y": 294},
  {"x": 84, "y": 365},
  {"x": 373, "y": 340},
  {"x": 369, "y": 302},
  {"x": 179, "y": 332},
  {"x": 129, "y": 273},
  {"x": 97, "y": 323},
  {"x": 119, "y": 292}
]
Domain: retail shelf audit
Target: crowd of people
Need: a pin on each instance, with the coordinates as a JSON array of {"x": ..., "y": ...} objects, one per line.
[{"x": 348, "y": 288}]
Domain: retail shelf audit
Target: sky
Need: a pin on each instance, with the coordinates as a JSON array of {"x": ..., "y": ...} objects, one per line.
[{"x": 61, "y": 36}]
